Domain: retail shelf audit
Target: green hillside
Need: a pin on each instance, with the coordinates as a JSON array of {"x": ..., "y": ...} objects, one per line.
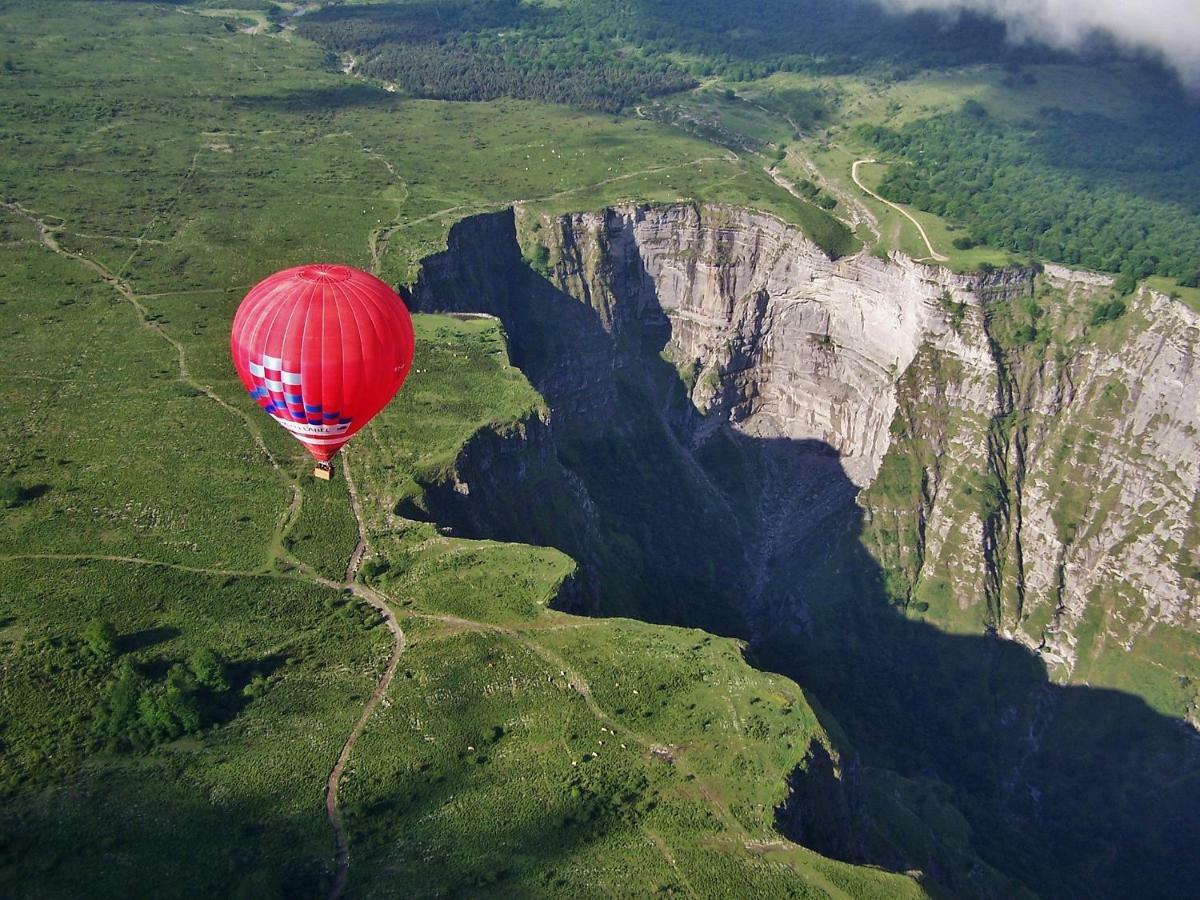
[
  {"x": 155, "y": 163},
  {"x": 195, "y": 634}
]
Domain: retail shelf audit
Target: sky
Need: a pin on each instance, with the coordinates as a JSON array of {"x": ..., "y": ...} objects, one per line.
[{"x": 1169, "y": 27}]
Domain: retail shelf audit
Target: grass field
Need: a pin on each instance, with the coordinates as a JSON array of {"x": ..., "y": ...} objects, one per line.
[
  {"x": 562, "y": 770},
  {"x": 155, "y": 164}
]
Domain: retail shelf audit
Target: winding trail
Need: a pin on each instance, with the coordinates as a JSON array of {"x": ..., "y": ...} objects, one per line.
[
  {"x": 378, "y": 239},
  {"x": 47, "y": 234},
  {"x": 581, "y": 686},
  {"x": 379, "y": 602},
  {"x": 933, "y": 254},
  {"x": 48, "y": 237},
  {"x": 854, "y": 212},
  {"x": 133, "y": 561}
]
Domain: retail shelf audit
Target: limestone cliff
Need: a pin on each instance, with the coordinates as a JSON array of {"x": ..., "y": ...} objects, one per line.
[
  {"x": 827, "y": 458},
  {"x": 1093, "y": 521}
]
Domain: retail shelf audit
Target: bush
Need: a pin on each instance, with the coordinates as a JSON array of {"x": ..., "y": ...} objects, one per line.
[
  {"x": 540, "y": 260},
  {"x": 992, "y": 496},
  {"x": 1126, "y": 284},
  {"x": 374, "y": 568},
  {"x": 209, "y": 669},
  {"x": 11, "y": 493},
  {"x": 975, "y": 109},
  {"x": 1024, "y": 333},
  {"x": 100, "y": 637},
  {"x": 1108, "y": 311}
]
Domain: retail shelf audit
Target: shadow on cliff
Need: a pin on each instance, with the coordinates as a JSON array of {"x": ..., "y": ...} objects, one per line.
[{"x": 958, "y": 756}]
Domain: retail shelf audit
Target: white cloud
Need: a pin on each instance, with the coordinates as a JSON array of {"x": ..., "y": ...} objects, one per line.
[{"x": 1168, "y": 27}]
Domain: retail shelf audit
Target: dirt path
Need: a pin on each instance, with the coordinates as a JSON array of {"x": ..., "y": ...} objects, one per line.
[
  {"x": 853, "y": 211},
  {"x": 360, "y": 548},
  {"x": 730, "y": 156},
  {"x": 130, "y": 560},
  {"x": 379, "y": 602},
  {"x": 378, "y": 239},
  {"x": 664, "y": 851},
  {"x": 580, "y": 685},
  {"x": 47, "y": 236},
  {"x": 159, "y": 215},
  {"x": 933, "y": 254}
]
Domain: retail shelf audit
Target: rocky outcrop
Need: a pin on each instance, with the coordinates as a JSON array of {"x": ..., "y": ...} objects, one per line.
[
  {"x": 508, "y": 485},
  {"x": 783, "y": 342}
]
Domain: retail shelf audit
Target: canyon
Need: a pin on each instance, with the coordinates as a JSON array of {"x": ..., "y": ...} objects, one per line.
[{"x": 960, "y": 509}]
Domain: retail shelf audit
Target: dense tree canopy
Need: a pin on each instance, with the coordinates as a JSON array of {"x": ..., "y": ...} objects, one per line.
[
  {"x": 606, "y": 54},
  {"x": 487, "y": 50},
  {"x": 1078, "y": 189}
]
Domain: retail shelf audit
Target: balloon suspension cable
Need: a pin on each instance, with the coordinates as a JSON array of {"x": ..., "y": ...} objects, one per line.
[{"x": 324, "y": 471}]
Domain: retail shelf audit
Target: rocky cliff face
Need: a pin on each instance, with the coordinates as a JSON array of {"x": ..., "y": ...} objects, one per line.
[
  {"x": 827, "y": 457},
  {"x": 779, "y": 340},
  {"x": 1084, "y": 442}
]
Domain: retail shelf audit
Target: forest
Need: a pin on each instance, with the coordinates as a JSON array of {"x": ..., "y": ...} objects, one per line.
[
  {"x": 607, "y": 54},
  {"x": 1079, "y": 189},
  {"x": 484, "y": 51}
]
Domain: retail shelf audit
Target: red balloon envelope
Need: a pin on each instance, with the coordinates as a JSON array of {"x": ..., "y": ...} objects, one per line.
[{"x": 322, "y": 349}]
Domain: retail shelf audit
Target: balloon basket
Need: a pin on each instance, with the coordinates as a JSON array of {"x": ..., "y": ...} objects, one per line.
[{"x": 323, "y": 471}]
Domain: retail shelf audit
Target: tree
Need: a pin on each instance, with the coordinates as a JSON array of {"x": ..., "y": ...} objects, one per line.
[
  {"x": 209, "y": 669},
  {"x": 170, "y": 710},
  {"x": 1107, "y": 311},
  {"x": 975, "y": 109},
  {"x": 374, "y": 568},
  {"x": 101, "y": 639},
  {"x": 1126, "y": 283},
  {"x": 540, "y": 261}
]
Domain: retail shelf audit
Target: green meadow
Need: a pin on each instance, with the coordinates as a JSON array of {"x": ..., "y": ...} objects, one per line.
[{"x": 181, "y": 661}]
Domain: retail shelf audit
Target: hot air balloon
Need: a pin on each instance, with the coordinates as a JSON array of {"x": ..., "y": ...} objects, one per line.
[{"x": 322, "y": 349}]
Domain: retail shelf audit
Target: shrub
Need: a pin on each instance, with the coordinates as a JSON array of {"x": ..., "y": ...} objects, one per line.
[
  {"x": 1024, "y": 333},
  {"x": 1107, "y": 311},
  {"x": 540, "y": 260},
  {"x": 1126, "y": 284},
  {"x": 374, "y": 568},
  {"x": 10, "y": 493},
  {"x": 100, "y": 637},
  {"x": 209, "y": 669},
  {"x": 975, "y": 109}
]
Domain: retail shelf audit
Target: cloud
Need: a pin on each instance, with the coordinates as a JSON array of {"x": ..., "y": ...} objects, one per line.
[{"x": 1170, "y": 28}]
